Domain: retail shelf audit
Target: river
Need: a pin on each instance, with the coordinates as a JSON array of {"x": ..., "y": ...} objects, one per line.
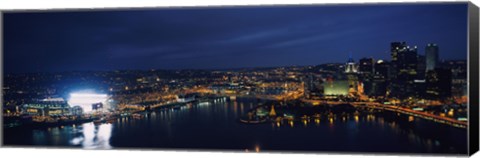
[{"x": 216, "y": 127}]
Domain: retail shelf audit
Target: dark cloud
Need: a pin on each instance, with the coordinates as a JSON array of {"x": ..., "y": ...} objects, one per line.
[{"x": 179, "y": 38}]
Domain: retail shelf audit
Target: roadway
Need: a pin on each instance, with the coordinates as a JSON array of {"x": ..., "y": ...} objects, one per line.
[{"x": 420, "y": 114}]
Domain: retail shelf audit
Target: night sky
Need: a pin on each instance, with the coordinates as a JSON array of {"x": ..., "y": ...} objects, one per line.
[{"x": 225, "y": 37}]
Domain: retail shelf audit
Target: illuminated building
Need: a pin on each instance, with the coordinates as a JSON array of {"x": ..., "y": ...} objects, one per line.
[
  {"x": 419, "y": 81},
  {"x": 313, "y": 87},
  {"x": 351, "y": 70},
  {"x": 351, "y": 66},
  {"x": 272, "y": 112},
  {"x": 431, "y": 53},
  {"x": 421, "y": 67},
  {"x": 459, "y": 76},
  {"x": 407, "y": 62},
  {"x": 402, "y": 85},
  {"x": 185, "y": 98},
  {"x": 76, "y": 110},
  {"x": 382, "y": 68},
  {"x": 378, "y": 86},
  {"x": 47, "y": 107},
  {"x": 97, "y": 106},
  {"x": 225, "y": 88},
  {"x": 352, "y": 92},
  {"x": 366, "y": 71},
  {"x": 85, "y": 100},
  {"x": 395, "y": 48},
  {"x": 366, "y": 66},
  {"x": 337, "y": 87},
  {"x": 439, "y": 83},
  {"x": 420, "y": 88},
  {"x": 360, "y": 88}
]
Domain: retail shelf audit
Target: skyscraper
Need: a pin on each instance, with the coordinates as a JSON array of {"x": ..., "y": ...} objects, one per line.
[
  {"x": 407, "y": 64},
  {"x": 395, "y": 48},
  {"x": 366, "y": 69},
  {"x": 419, "y": 82},
  {"x": 402, "y": 84},
  {"x": 431, "y": 53},
  {"x": 379, "y": 79},
  {"x": 421, "y": 66},
  {"x": 366, "y": 66},
  {"x": 313, "y": 86},
  {"x": 439, "y": 83}
]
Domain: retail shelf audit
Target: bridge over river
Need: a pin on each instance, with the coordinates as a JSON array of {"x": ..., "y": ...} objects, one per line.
[
  {"x": 398, "y": 109},
  {"x": 372, "y": 105}
]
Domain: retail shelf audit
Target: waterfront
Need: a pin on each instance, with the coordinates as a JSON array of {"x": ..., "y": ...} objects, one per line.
[{"x": 216, "y": 126}]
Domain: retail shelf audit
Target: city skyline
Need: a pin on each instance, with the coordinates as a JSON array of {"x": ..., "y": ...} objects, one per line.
[
  {"x": 253, "y": 36},
  {"x": 349, "y": 78}
]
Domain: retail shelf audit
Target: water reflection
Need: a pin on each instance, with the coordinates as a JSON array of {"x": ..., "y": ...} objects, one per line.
[
  {"x": 103, "y": 136},
  {"x": 257, "y": 148},
  {"x": 163, "y": 128},
  {"x": 94, "y": 137},
  {"x": 317, "y": 121}
]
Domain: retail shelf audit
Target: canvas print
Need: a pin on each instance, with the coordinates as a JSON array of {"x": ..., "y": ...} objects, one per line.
[{"x": 373, "y": 78}]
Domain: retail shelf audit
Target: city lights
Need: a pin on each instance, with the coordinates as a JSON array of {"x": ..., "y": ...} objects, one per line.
[
  {"x": 303, "y": 98},
  {"x": 85, "y": 100}
]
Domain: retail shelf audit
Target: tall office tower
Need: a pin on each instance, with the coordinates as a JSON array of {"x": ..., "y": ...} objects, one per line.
[
  {"x": 407, "y": 63},
  {"x": 379, "y": 79},
  {"x": 382, "y": 68},
  {"x": 421, "y": 67},
  {"x": 431, "y": 53},
  {"x": 439, "y": 83},
  {"x": 313, "y": 86},
  {"x": 459, "y": 76},
  {"x": 366, "y": 69},
  {"x": 419, "y": 81},
  {"x": 395, "y": 48},
  {"x": 366, "y": 66},
  {"x": 402, "y": 86}
]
